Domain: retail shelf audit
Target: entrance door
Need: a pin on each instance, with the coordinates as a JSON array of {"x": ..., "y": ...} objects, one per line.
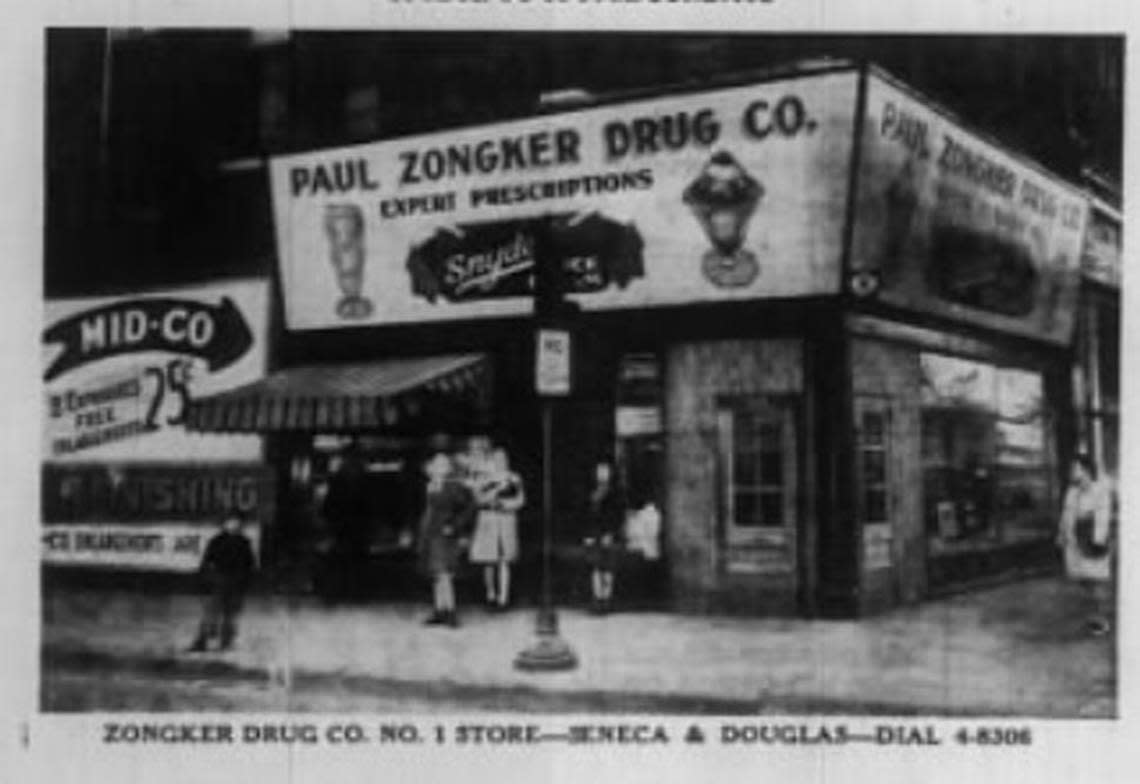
[{"x": 759, "y": 484}]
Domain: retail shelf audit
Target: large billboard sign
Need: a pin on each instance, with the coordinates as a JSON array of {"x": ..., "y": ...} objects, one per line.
[
  {"x": 731, "y": 194},
  {"x": 948, "y": 223},
  {"x": 119, "y": 371}
]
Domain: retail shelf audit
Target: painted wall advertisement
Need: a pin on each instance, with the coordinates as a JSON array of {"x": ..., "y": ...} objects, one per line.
[
  {"x": 119, "y": 372},
  {"x": 150, "y": 517},
  {"x": 737, "y": 193},
  {"x": 949, "y": 224}
]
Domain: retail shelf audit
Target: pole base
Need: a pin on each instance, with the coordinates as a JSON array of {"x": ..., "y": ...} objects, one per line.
[{"x": 547, "y": 654}]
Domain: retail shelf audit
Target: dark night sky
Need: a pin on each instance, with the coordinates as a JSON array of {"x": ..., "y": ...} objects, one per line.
[{"x": 136, "y": 198}]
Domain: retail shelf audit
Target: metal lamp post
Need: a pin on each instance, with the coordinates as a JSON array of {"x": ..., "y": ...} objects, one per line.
[{"x": 554, "y": 318}]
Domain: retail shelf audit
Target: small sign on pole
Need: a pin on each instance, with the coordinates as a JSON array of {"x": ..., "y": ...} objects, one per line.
[{"x": 552, "y": 365}]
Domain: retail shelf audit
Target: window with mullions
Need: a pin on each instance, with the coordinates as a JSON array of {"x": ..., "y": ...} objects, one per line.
[
  {"x": 872, "y": 446},
  {"x": 756, "y": 450}
]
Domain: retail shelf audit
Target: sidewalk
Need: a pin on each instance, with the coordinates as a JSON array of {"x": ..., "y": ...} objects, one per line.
[{"x": 1018, "y": 649}]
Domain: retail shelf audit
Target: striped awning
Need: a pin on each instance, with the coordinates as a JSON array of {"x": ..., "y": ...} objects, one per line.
[{"x": 320, "y": 398}]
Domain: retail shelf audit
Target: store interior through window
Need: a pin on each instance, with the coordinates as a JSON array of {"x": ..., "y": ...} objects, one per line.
[{"x": 987, "y": 455}]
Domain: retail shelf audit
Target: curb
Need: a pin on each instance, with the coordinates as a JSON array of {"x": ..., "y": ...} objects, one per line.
[{"x": 484, "y": 696}]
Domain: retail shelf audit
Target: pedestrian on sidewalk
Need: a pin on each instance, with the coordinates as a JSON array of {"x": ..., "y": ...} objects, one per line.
[
  {"x": 347, "y": 509},
  {"x": 605, "y": 517},
  {"x": 1085, "y": 538},
  {"x": 495, "y": 545},
  {"x": 226, "y": 570},
  {"x": 449, "y": 514}
]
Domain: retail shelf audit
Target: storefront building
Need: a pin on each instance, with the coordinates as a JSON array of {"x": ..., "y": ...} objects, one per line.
[{"x": 825, "y": 329}]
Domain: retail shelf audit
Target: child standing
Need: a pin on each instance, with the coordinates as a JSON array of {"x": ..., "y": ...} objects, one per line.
[
  {"x": 605, "y": 512},
  {"x": 496, "y": 542},
  {"x": 449, "y": 512},
  {"x": 226, "y": 568}
]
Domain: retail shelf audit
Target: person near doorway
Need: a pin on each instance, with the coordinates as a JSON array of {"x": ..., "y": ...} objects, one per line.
[
  {"x": 472, "y": 463},
  {"x": 495, "y": 545},
  {"x": 347, "y": 510},
  {"x": 226, "y": 569},
  {"x": 605, "y": 517},
  {"x": 1085, "y": 538},
  {"x": 449, "y": 511}
]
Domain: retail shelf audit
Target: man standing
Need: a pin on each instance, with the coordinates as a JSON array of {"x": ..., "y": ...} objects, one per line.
[{"x": 226, "y": 569}]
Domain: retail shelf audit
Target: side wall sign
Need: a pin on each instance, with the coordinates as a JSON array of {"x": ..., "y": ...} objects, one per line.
[
  {"x": 949, "y": 224},
  {"x": 147, "y": 516},
  {"x": 118, "y": 372},
  {"x": 730, "y": 194}
]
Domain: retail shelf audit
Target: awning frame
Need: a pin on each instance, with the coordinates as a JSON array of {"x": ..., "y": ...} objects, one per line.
[{"x": 286, "y": 401}]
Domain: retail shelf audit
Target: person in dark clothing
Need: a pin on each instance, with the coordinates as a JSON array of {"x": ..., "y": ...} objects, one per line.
[
  {"x": 226, "y": 569},
  {"x": 445, "y": 528},
  {"x": 347, "y": 505},
  {"x": 347, "y": 510},
  {"x": 605, "y": 517}
]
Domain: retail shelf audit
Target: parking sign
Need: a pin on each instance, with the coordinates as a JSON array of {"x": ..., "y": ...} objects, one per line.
[{"x": 552, "y": 365}]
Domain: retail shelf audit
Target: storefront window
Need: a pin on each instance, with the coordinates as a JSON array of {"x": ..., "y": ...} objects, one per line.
[
  {"x": 873, "y": 466},
  {"x": 638, "y": 424},
  {"x": 986, "y": 451},
  {"x": 753, "y": 438}
]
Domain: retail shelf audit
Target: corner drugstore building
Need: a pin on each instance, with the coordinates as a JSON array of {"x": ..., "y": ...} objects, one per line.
[{"x": 825, "y": 326}]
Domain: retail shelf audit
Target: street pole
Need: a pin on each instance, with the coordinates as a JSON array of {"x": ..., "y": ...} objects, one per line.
[
  {"x": 549, "y": 652},
  {"x": 548, "y": 619}
]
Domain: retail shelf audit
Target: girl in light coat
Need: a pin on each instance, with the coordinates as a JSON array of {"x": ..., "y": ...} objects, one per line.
[{"x": 495, "y": 545}]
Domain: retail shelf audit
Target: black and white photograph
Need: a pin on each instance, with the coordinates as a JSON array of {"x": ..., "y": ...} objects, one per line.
[
  {"x": 581, "y": 380},
  {"x": 580, "y": 372}
]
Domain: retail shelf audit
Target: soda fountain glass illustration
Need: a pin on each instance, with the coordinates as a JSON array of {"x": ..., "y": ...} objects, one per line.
[
  {"x": 344, "y": 227},
  {"x": 723, "y": 198}
]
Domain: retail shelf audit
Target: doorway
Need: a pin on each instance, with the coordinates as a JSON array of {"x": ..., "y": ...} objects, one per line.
[{"x": 759, "y": 485}]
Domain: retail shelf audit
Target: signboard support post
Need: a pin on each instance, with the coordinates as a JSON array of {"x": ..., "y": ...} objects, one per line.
[{"x": 549, "y": 652}]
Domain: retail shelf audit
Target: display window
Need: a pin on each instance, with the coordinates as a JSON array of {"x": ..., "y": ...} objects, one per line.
[
  {"x": 639, "y": 428},
  {"x": 349, "y": 513},
  {"x": 987, "y": 454},
  {"x": 640, "y": 434}
]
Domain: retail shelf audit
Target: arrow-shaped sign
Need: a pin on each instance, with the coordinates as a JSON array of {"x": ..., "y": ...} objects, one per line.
[{"x": 218, "y": 333}]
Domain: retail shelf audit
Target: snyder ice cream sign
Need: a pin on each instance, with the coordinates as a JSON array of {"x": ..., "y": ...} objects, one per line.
[
  {"x": 118, "y": 372},
  {"x": 736, "y": 193},
  {"x": 948, "y": 223}
]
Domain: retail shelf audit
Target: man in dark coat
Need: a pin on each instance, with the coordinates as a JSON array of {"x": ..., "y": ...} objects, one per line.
[
  {"x": 348, "y": 511},
  {"x": 226, "y": 569}
]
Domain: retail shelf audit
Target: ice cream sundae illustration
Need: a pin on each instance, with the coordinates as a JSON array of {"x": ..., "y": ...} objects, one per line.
[
  {"x": 723, "y": 198},
  {"x": 344, "y": 227}
]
